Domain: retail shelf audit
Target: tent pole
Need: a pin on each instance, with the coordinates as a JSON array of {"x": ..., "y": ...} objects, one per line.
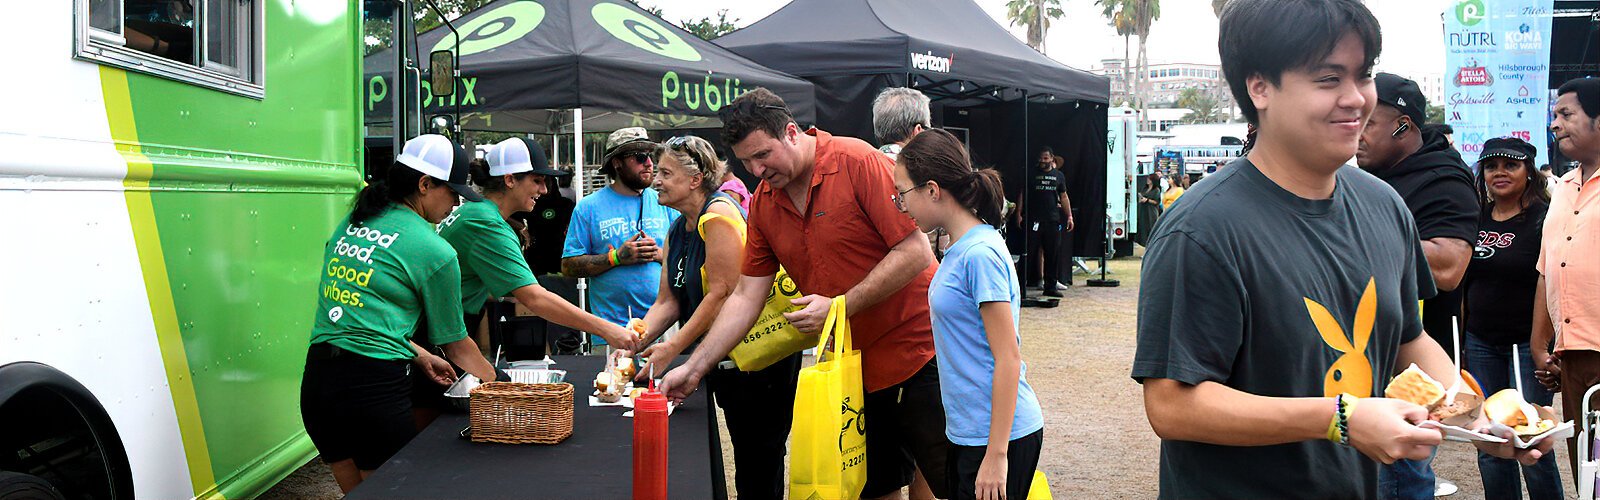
[
  {"x": 1024, "y": 264},
  {"x": 577, "y": 181}
]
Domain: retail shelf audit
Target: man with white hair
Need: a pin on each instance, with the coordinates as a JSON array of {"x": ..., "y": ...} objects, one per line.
[{"x": 898, "y": 114}]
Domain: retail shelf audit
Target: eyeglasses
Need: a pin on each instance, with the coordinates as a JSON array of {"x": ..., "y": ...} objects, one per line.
[
  {"x": 900, "y": 198},
  {"x": 641, "y": 157}
]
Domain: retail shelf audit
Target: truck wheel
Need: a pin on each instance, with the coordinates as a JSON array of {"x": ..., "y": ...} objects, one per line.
[{"x": 18, "y": 486}]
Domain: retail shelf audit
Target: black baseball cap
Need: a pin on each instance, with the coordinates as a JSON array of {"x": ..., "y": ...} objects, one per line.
[
  {"x": 1508, "y": 147},
  {"x": 1404, "y": 95}
]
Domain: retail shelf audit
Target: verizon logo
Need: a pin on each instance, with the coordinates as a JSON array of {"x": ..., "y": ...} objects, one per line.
[{"x": 930, "y": 62}]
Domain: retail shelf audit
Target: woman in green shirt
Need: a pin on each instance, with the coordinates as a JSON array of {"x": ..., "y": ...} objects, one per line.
[
  {"x": 514, "y": 176},
  {"x": 384, "y": 271}
]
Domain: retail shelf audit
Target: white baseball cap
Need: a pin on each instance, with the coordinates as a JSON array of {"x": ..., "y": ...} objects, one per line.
[
  {"x": 435, "y": 156},
  {"x": 517, "y": 155}
]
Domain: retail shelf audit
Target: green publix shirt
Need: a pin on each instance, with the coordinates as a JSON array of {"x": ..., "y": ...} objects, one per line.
[
  {"x": 490, "y": 254},
  {"x": 379, "y": 278}
]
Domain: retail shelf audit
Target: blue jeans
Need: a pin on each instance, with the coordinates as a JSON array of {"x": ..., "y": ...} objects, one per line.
[
  {"x": 1407, "y": 479},
  {"x": 1491, "y": 365}
]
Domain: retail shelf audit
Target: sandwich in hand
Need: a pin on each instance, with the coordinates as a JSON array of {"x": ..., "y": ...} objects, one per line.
[{"x": 1509, "y": 409}]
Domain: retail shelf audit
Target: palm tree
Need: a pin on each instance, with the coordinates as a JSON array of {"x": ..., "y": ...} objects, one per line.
[
  {"x": 1137, "y": 16},
  {"x": 1036, "y": 15},
  {"x": 1203, "y": 107}
]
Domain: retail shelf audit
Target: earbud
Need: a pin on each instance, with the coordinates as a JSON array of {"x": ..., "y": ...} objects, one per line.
[{"x": 1401, "y": 129}]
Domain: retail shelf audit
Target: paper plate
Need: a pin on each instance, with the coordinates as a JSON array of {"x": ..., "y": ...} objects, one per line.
[{"x": 1454, "y": 433}]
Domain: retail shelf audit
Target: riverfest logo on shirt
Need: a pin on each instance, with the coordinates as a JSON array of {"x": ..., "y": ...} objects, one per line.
[
  {"x": 1351, "y": 373},
  {"x": 352, "y": 265}
]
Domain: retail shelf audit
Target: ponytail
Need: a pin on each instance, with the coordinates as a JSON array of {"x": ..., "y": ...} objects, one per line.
[
  {"x": 938, "y": 156},
  {"x": 985, "y": 196},
  {"x": 398, "y": 184}
]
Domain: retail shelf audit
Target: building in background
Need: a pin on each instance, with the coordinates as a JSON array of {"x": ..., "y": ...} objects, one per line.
[{"x": 1164, "y": 88}]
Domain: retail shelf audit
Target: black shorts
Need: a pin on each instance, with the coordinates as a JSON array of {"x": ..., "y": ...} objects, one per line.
[
  {"x": 425, "y": 393},
  {"x": 1022, "y": 458},
  {"x": 356, "y": 407},
  {"x": 905, "y": 433}
]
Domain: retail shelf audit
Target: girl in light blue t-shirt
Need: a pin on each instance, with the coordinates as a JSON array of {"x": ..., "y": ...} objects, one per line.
[{"x": 991, "y": 414}]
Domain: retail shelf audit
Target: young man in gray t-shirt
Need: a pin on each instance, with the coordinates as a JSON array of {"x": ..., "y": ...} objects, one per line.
[{"x": 1279, "y": 296}]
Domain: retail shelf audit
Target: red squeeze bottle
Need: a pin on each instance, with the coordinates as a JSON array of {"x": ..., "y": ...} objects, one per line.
[{"x": 650, "y": 446}]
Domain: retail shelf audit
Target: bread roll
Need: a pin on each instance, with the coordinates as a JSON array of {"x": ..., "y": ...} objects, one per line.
[
  {"x": 1415, "y": 386},
  {"x": 1505, "y": 407}
]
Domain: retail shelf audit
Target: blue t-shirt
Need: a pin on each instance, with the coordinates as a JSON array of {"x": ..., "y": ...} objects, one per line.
[
  {"x": 604, "y": 220},
  {"x": 976, "y": 269}
]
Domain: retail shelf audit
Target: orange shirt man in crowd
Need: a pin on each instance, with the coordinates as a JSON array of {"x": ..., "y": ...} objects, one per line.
[
  {"x": 825, "y": 211},
  {"x": 1566, "y": 303}
]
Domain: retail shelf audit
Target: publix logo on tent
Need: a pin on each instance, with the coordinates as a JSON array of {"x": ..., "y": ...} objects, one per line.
[
  {"x": 711, "y": 91},
  {"x": 642, "y": 31},
  {"x": 1470, "y": 12},
  {"x": 497, "y": 27}
]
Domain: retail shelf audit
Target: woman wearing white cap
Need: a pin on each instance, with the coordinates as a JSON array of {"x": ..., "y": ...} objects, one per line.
[
  {"x": 384, "y": 271},
  {"x": 492, "y": 264}
]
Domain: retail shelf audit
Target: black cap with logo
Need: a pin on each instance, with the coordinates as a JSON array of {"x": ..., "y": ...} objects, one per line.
[{"x": 1404, "y": 95}]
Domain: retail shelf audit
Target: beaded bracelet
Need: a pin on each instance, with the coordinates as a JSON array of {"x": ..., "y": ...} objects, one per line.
[{"x": 1346, "y": 408}]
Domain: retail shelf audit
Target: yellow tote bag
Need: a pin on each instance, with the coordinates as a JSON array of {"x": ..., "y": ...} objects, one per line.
[
  {"x": 1040, "y": 490},
  {"x": 772, "y": 338},
  {"x": 828, "y": 440}
]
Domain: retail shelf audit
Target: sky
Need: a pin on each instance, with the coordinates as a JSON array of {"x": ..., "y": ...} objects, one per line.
[{"x": 1413, "y": 43}]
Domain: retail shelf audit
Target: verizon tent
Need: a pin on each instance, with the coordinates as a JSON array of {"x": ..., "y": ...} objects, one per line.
[
  {"x": 1008, "y": 99},
  {"x": 525, "y": 64}
]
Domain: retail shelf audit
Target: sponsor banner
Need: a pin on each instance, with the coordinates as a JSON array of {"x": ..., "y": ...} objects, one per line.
[{"x": 1497, "y": 72}]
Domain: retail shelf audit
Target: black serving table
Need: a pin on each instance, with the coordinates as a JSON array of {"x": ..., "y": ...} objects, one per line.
[{"x": 596, "y": 462}]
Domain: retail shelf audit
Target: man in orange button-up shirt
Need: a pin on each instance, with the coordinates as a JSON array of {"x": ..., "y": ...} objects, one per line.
[
  {"x": 825, "y": 211},
  {"x": 1566, "y": 303}
]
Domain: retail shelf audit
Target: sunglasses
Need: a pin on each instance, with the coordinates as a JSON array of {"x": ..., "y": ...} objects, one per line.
[{"x": 641, "y": 157}]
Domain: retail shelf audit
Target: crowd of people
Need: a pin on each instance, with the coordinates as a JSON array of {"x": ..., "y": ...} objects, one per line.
[
  {"x": 674, "y": 238},
  {"x": 1278, "y": 295}
]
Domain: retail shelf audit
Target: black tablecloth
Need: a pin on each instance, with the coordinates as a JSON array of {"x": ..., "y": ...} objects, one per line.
[{"x": 595, "y": 463}]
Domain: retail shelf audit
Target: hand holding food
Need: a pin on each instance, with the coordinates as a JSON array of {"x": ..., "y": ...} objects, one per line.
[
  {"x": 1385, "y": 430},
  {"x": 1416, "y": 387}
]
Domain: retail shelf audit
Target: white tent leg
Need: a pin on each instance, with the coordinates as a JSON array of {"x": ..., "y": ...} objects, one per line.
[{"x": 577, "y": 184}]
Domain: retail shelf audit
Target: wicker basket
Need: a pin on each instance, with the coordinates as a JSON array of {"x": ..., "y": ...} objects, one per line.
[{"x": 508, "y": 412}]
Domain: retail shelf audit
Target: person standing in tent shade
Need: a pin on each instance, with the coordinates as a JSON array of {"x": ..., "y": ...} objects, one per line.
[
  {"x": 825, "y": 212},
  {"x": 615, "y": 232}
]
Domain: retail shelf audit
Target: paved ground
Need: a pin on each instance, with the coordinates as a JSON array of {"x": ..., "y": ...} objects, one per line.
[{"x": 1098, "y": 443}]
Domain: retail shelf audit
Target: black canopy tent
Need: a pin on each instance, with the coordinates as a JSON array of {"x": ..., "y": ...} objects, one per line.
[
  {"x": 524, "y": 63},
  {"x": 1011, "y": 99}
]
